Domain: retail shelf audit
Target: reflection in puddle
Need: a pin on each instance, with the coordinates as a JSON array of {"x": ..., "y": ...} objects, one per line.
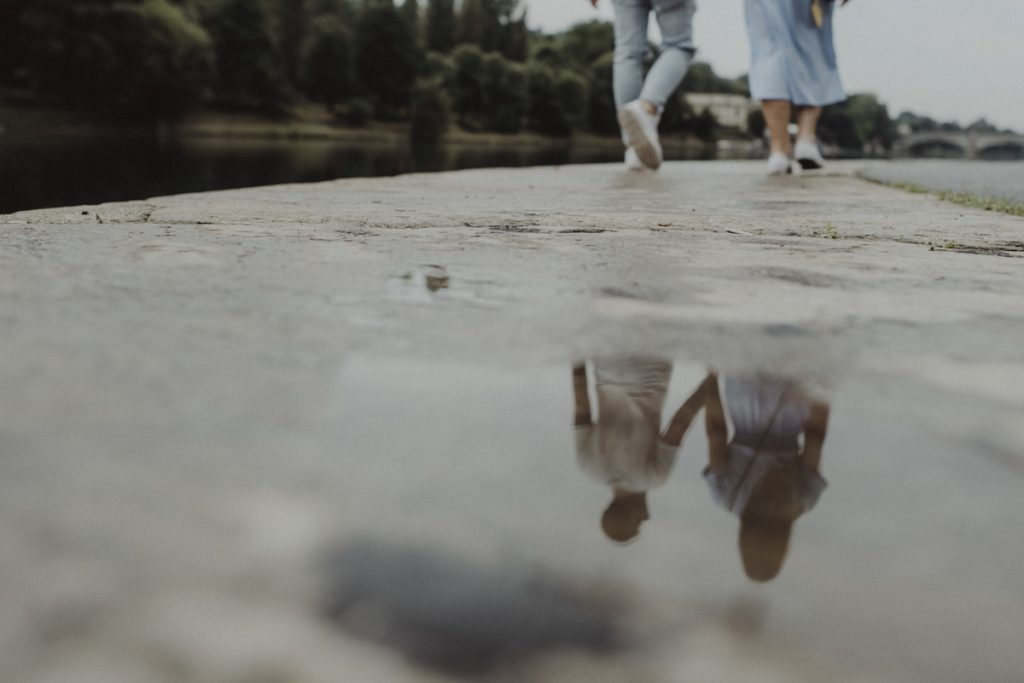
[
  {"x": 489, "y": 518},
  {"x": 624, "y": 446},
  {"x": 762, "y": 473},
  {"x": 766, "y": 473}
]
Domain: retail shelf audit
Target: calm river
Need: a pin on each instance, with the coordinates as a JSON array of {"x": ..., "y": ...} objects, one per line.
[{"x": 65, "y": 170}]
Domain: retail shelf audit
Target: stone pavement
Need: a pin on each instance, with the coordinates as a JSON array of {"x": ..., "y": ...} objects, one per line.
[{"x": 203, "y": 395}]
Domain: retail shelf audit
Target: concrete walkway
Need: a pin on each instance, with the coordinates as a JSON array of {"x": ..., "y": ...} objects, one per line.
[{"x": 169, "y": 386}]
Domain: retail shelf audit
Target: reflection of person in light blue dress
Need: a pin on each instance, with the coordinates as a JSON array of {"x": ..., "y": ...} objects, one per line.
[
  {"x": 625, "y": 447},
  {"x": 793, "y": 65},
  {"x": 763, "y": 474}
]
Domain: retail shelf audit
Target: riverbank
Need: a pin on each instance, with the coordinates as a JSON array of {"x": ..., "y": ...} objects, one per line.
[
  {"x": 989, "y": 185},
  {"x": 26, "y": 117},
  {"x": 52, "y": 157}
]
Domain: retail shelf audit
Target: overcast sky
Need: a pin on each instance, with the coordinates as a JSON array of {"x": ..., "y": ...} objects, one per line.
[{"x": 950, "y": 59}]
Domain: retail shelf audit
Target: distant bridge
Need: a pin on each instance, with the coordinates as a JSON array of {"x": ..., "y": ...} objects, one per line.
[{"x": 965, "y": 144}]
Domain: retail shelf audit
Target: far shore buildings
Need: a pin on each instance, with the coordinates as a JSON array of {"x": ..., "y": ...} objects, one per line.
[{"x": 729, "y": 110}]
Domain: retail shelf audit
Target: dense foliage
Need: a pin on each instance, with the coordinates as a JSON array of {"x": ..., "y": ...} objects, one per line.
[{"x": 158, "y": 58}]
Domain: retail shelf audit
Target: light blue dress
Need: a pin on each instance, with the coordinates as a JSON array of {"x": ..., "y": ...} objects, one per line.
[
  {"x": 791, "y": 58},
  {"x": 768, "y": 414}
]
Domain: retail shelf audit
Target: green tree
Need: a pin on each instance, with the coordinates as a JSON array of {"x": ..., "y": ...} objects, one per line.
[
  {"x": 144, "y": 59},
  {"x": 601, "y": 112},
  {"x": 293, "y": 29},
  {"x": 503, "y": 28},
  {"x": 438, "y": 66},
  {"x": 584, "y": 43},
  {"x": 571, "y": 90},
  {"x": 341, "y": 9},
  {"x": 411, "y": 14},
  {"x": 704, "y": 125},
  {"x": 516, "y": 42},
  {"x": 702, "y": 78},
  {"x": 250, "y": 66},
  {"x": 870, "y": 119},
  {"x": 71, "y": 49},
  {"x": 441, "y": 26},
  {"x": 756, "y": 124},
  {"x": 385, "y": 57},
  {"x": 836, "y": 127},
  {"x": 545, "y": 100},
  {"x": 13, "y": 49},
  {"x": 678, "y": 116},
  {"x": 916, "y": 123},
  {"x": 546, "y": 53},
  {"x": 430, "y": 112},
  {"x": 467, "y": 88},
  {"x": 860, "y": 123},
  {"x": 982, "y": 126},
  {"x": 327, "y": 61},
  {"x": 167, "y": 59},
  {"x": 503, "y": 90},
  {"x": 471, "y": 23}
]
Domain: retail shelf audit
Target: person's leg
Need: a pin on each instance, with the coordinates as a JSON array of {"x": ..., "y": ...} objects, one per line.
[
  {"x": 675, "y": 19},
  {"x": 776, "y": 116},
  {"x": 807, "y": 123},
  {"x": 639, "y": 119},
  {"x": 806, "y": 150},
  {"x": 630, "y": 49}
]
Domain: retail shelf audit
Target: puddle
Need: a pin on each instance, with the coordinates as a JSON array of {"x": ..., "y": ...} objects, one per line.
[{"x": 630, "y": 510}]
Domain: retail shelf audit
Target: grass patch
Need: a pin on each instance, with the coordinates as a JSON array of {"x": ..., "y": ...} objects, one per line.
[
  {"x": 985, "y": 203},
  {"x": 967, "y": 199},
  {"x": 829, "y": 232}
]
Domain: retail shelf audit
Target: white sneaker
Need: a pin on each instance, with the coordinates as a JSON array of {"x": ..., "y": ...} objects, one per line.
[
  {"x": 641, "y": 131},
  {"x": 778, "y": 164},
  {"x": 633, "y": 162},
  {"x": 808, "y": 155}
]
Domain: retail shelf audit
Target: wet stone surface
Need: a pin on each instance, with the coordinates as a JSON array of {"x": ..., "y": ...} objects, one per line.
[{"x": 698, "y": 426}]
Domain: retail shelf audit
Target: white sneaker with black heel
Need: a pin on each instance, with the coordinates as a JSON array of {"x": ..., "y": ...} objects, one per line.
[
  {"x": 779, "y": 164},
  {"x": 641, "y": 131},
  {"x": 808, "y": 155}
]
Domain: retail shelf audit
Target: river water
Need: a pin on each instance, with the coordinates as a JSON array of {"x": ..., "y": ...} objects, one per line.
[
  {"x": 1003, "y": 179},
  {"x": 66, "y": 170},
  {"x": 39, "y": 172}
]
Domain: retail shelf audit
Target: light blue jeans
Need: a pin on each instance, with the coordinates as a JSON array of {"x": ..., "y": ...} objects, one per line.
[{"x": 675, "y": 19}]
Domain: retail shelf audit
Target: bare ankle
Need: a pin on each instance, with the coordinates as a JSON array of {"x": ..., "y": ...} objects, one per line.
[{"x": 649, "y": 107}]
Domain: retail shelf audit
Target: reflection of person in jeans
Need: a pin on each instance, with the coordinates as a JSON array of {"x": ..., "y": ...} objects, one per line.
[
  {"x": 625, "y": 448},
  {"x": 640, "y": 100},
  {"x": 763, "y": 473}
]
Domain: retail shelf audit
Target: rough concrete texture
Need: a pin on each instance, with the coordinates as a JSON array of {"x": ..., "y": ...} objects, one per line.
[{"x": 173, "y": 377}]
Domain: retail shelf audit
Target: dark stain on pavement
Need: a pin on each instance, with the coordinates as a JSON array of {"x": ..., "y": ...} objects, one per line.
[{"x": 450, "y": 615}]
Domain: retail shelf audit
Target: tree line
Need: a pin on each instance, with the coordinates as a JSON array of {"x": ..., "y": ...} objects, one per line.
[{"x": 433, "y": 62}]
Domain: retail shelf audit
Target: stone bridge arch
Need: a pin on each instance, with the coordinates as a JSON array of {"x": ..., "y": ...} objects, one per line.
[
  {"x": 1001, "y": 149},
  {"x": 962, "y": 145},
  {"x": 938, "y": 146}
]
